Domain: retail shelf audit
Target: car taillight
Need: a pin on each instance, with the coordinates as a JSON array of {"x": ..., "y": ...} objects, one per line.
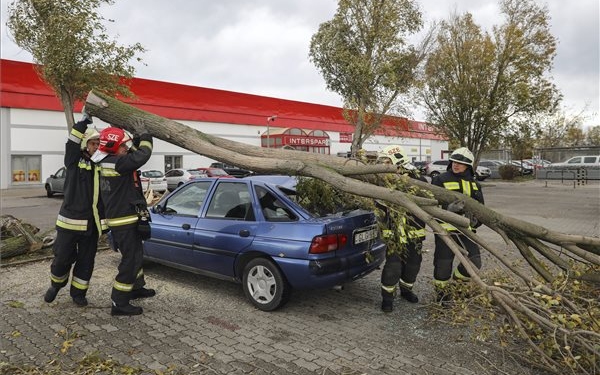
[
  {"x": 144, "y": 179},
  {"x": 326, "y": 243}
]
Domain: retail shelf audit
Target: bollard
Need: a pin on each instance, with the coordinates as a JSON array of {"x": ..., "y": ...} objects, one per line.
[{"x": 581, "y": 176}]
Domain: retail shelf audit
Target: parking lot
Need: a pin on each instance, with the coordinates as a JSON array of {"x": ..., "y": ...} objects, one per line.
[{"x": 200, "y": 325}]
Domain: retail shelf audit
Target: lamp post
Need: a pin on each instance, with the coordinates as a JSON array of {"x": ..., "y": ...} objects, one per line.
[{"x": 269, "y": 119}]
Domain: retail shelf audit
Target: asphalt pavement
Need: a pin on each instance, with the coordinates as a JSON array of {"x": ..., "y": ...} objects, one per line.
[{"x": 200, "y": 325}]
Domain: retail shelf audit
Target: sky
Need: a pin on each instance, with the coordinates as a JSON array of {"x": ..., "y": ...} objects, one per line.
[{"x": 261, "y": 47}]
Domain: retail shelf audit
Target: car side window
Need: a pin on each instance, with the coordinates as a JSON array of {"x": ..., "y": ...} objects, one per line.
[
  {"x": 188, "y": 200},
  {"x": 589, "y": 159},
  {"x": 231, "y": 201},
  {"x": 273, "y": 208},
  {"x": 575, "y": 161},
  {"x": 60, "y": 173}
]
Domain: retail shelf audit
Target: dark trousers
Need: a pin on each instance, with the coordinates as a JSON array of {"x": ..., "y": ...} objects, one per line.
[
  {"x": 403, "y": 266},
  {"x": 443, "y": 257},
  {"x": 77, "y": 250},
  {"x": 131, "y": 274}
]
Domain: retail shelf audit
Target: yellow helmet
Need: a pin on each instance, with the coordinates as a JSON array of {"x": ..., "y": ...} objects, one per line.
[
  {"x": 89, "y": 134},
  {"x": 395, "y": 153}
]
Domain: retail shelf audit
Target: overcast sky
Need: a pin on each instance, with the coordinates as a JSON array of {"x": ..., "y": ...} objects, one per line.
[{"x": 261, "y": 47}]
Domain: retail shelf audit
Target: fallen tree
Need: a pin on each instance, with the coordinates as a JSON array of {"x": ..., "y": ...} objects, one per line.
[{"x": 560, "y": 324}]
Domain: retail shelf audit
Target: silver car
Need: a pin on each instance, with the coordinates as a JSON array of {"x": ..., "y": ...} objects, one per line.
[
  {"x": 179, "y": 176},
  {"x": 56, "y": 182},
  {"x": 440, "y": 166}
]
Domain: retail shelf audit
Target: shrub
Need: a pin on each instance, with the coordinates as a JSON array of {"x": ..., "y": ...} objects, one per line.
[{"x": 508, "y": 172}]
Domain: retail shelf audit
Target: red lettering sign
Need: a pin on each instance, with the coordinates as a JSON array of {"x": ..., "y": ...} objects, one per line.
[{"x": 346, "y": 137}]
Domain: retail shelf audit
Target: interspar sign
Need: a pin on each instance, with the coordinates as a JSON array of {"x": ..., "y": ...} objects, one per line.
[{"x": 299, "y": 140}]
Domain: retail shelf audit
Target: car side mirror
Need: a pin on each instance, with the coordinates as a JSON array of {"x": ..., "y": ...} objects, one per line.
[{"x": 158, "y": 209}]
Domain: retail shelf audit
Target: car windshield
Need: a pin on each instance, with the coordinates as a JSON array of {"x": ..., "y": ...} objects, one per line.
[{"x": 152, "y": 174}]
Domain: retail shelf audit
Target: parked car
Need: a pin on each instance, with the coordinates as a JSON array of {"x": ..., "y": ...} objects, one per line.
[
  {"x": 434, "y": 168},
  {"x": 178, "y": 176},
  {"x": 577, "y": 162},
  {"x": 215, "y": 172},
  {"x": 154, "y": 180},
  {"x": 249, "y": 231},
  {"x": 421, "y": 166},
  {"x": 56, "y": 182},
  {"x": 525, "y": 168},
  {"x": 232, "y": 170}
]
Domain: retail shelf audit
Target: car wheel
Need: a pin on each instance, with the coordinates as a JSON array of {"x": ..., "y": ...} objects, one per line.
[
  {"x": 434, "y": 173},
  {"x": 264, "y": 285},
  {"x": 49, "y": 191}
]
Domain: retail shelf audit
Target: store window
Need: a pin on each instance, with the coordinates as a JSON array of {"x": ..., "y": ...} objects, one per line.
[
  {"x": 172, "y": 162},
  {"x": 26, "y": 169}
]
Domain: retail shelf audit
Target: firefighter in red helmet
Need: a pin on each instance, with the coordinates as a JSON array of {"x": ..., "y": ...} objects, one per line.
[
  {"x": 81, "y": 216},
  {"x": 126, "y": 211}
]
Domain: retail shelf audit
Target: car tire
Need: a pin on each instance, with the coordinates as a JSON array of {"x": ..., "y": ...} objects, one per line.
[
  {"x": 264, "y": 285},
  {"x": 49, "y": 192},
  {"x": 434, "y": 173}
]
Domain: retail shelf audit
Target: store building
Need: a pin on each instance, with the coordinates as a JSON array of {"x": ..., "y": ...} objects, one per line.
[{"x": 33, "y": 130}]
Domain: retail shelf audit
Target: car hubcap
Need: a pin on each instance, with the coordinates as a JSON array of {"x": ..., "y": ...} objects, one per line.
[{"x": 261, "y": 284}]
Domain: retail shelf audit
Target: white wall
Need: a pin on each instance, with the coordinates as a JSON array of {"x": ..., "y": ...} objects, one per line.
[{"x": 44, "y": 133}]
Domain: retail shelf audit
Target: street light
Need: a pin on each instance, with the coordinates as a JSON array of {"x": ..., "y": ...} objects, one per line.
[{"x": 269, "y": 119}]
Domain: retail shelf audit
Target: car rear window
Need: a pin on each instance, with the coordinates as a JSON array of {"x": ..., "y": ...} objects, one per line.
[{"x": 152, "y": 174}]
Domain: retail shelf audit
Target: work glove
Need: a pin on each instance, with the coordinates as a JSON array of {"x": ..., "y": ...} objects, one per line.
[
  {"x": 473, "y": 221},
  {"x": 86, "y": 116},
  {"x": 457, "y": 207},
  {"x": 138, "y": 126}
]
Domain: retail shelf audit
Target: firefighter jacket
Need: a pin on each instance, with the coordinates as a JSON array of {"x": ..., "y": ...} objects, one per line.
[
  {"x": 82, "y": 208},
  {"x": 413, "y": 228},
  {"x": 120, "y": 187},
  {"x": 464, "y": 183}
]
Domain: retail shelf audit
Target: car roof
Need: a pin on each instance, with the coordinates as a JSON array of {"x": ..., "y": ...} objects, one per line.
[{"x": 281, "y": 181}]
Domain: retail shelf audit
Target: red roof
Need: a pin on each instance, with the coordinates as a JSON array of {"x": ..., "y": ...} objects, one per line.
[{"x": 21, "y": 87}]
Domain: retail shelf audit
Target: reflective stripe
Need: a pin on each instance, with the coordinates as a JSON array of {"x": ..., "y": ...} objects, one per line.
[
  {"x": 147, "y": 144},
  {"x": 71, "y": 224},
  {"x": 122, "y": 287},
  {"x": 466, "y": 187},
  {"x": 59, "y": 279},
  {"x": 125, "y": 220},
  {"x": 79, "y": 283},
  {"x": 108, "y": 172},
  {"x": 459, "y": 276},
  {"x": 84, "y": 165},
  {"x": 108, "y": 165},
  {"x": 452, "y": 185},
  {"x": 140, "y": 273},
  {"x": 474, "y": 186},
  {"x": 75, "y": 136},
  {"x": 100, "y": 224},
  {"x": 104, "y": 224},
  {"x": 405, "y": 284},
  {"x": 389, "y": 289}
]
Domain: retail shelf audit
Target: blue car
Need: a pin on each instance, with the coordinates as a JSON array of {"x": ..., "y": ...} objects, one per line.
[{"x": 250, "y": 230}]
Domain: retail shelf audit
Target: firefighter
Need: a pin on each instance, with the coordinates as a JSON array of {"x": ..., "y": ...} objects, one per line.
[
  {"x": 459, "y": 177},
  {"x": 401, "y": 268},
  {"x": 126, "y": 211},
  {"x": 80, "y": 219}
]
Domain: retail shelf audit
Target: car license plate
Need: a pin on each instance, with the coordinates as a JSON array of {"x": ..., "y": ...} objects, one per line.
[{"x": 366, "y": 234}]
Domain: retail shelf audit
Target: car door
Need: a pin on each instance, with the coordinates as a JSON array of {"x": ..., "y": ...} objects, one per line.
[
  {"x": 173, "y": 224},
  {"x": 59, "y": 181},
  {"x": 173, "y": 176},
  {"x": 226, "y": 227}
]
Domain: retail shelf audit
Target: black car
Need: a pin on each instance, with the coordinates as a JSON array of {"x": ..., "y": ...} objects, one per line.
[
  {"x": 232, "y": 170},
  {"x": 421, "y": 166}
]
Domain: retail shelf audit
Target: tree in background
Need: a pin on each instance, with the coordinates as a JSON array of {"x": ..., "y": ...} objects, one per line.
[
  {"x": 592, "y": 136},
  {"x": 477, "y": 84},
  {"x": 558, "y": 128},
  {"x": 69, "y": 43},
  {"x": 363, "y": 55}
]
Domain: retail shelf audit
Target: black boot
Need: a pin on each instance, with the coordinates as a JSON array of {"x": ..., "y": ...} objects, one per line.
[
  {"x": 408, "y": 295},
  {"x": 142, "y": 293},
  {"x": 387, "y": 305},
  {"x": 51, "y": 294},
  {"x": 80, "y": 301},
  {"x": 126, "y": 310}
]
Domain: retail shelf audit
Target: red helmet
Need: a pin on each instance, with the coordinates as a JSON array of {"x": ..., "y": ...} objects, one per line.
[{"x": 112, "y": 138}]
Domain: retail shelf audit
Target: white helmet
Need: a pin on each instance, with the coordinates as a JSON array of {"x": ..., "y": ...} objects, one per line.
[
  {"x": 396, "y": 154},
  {"x": 462, "y": 155},
  {"x": 89, "y": 134}
]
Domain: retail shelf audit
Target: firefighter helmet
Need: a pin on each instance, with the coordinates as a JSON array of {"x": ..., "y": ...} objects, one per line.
[
  {"x": 112, "y": 138},
  {"x": 395, "y": 153},
  {"x": 89, "y": 134},
  {"x": 462, "y": 155}
]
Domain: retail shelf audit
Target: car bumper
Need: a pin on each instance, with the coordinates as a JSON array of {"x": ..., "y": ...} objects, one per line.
[{"x": 325, "y": 273}]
